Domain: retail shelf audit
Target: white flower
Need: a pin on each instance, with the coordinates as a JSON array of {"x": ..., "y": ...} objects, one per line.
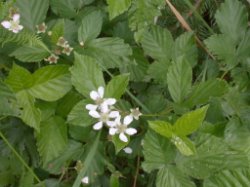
[
  {"x": 135, "y": 113},
  {"x": 85, "y": 180},
  {"x": 13, "y": 25},
  {"x": 52, "y": 59},
  {"x": 122, "y": 128},
  {"x": 67, "y": 50},
  {"x": 62, "y": 42},
  {"x": 100, "y": 102},
  {"x": 104, "y": 116},
  {"x": 128, "y": 150},
  {"x": 41, "y": 28}
]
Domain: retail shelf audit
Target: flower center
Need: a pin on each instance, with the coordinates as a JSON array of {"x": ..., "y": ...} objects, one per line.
[
  {"x": 121, "y": 128},
  {"x": 14, "y": 25},
  {"x": 104, "y": 117},
  {"x": 99, "y": 101}
]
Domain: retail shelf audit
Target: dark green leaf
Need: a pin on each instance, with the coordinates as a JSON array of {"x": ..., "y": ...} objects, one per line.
[
  {"x": 63, "y": 8},
  {"x": 116, "y": 8}
]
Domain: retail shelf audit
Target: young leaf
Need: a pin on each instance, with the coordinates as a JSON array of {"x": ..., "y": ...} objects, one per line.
[
  {"x": 190, "y": 122},
  {"x": 90, "y": 27},
  {"x": 158, "y": 43},
  {"x": 33, "y": 12},
  {"x": 173, "y": 177},
  {"x": 52, "y": 138},
  {"x": 50, "y": 83},
  {"x": 157, "y": 150},
  {"x": 184, "y": 145},
  {"x": 116, "y": 8},
  {"x": 232, "y": 19},
  {"x": 86, "y": 74},
  {"x": 179, "y": 80},
  {"x": 162, "y": 127},
  {"x": 117, "y": 86}
]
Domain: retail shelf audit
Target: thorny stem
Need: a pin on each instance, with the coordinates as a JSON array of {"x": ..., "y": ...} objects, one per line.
[{"x": 137, "y": 170}]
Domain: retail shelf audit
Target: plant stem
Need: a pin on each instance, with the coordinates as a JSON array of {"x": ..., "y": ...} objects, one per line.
[
  {"x": 137, "y": 171},
  {"x": 19, "y": 157}
]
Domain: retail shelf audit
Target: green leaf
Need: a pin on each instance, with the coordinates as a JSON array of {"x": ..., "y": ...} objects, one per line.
[
  {"x": 30, "y": 53},
  {"x": 52, "y": 139},
  {"x": 157, "y": 71},
  {"x": 64, "y": 8},
  {"x": 179, "y": 79},
  {"x": 86, "y": 74},
  {"x": 190, "y": 122},
  {"x": 228, "y": 178},
  {"x": 116, "y": 8},
  {"x": 173, "y": 177},
  {"x": 185, "y": 47},
  {"x": 202, "y": 92},
  {"x": 114, "y": 180},
  {"x": 50, "y": 83},
  {"x": 157, "y": 150},
  {"x": 184, "y": 145},
  {"x": 162, "y": 127},
  {"x": 119, "y": 145},
  {"x": 244, "y": 47},
  {"x": 90, "y": 27},
  {"x": 158, "y": 43},
  {"x": 33, "y": 12},
  {"x": 79, "y": 115},
  {"x": 109, "y": 51},
  {"x": 117, "y": 86},
  {"x": 29, "y": 114},
  {"x": 57, "y": 30},
  {"x": 27, "y": 180},
  {"x": 232, "y": 19}
]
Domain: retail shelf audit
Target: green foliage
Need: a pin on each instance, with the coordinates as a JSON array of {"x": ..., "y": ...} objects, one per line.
[{"x": 117, "y": 7}]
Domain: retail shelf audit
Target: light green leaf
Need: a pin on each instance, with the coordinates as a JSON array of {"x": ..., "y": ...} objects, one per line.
[
  {"x": 33, "y": 12},
  {"x": 158, "y": 43},
  {"x": 157, "y": 150},
  {"x": 157, "y": 71},
  {"x": 64, "y": 8},
  {"x": 114, "y": 180},
  {"x": 173, "y": 177},
  {"x": 27, "y": 180},
  {"x": 190, "y": 122},
  {"x": 79, "y": 115},
  {"x": 29, "y": 114},
  {"x": 117, "y": 86},
  {"x": 244, "y": 47},
  {"x": 184, "y": 145},
  {"x": 162, "y": 127},
  {"x": 116, "y": 8},
  {"x": 232, "y": 19},
  {"x": 90, "y": 27},
  {"x": 202, "y": 92},
  {"x": 119, "y": 145},
  {"x": 30, "y": 53},
  {"x": 86, "y": 74},
  {"x": 179, "y": 79},
  {"x": 50, "y": 83},
  {"x": 185, "y": 47},
  {"x": 52, "y": 138},
  {"x": 109, "y": 51}
]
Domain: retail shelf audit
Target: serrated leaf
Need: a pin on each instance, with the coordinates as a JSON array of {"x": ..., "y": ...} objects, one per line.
[
  {"x": 30, "y": 53},
  {"x": 190, "y": 122},
  {"x": 117, "y": 86},
  {"x": 202, "y": 92},
  {"x": 184, "y": 145},
  {"x": 86, "y": 74},
  {"x": 157, "y": 150},
  {"x": 50, "y": 83},
  {"x": 33, "y": 12},
  {"x": 157, "y": 71},
  {"x": 109, "y": 51},
  {"x": 79, "y": 115},
  {"x": 119, "y": 145},
  {"x": 162, "y": 127},
  {"x": 64, "y": 8},
  {"x": 185, "y": 47},
  {"x": 91, "y": 26},
  {"x": 116, "y": 8},
  {"x": 244, "y": 47},
  {"x": 158, "y": 43},
  {"x": 52, "y": 138},
  {"x": 173, "y": 177},
  {"x": 232, "y": 19},
  {"x": 179, "y": 80}
]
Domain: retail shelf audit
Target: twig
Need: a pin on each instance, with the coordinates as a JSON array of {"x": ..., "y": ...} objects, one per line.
[
  {"x": 137, "y": 170},
  {"x": 196, "y": 6}
]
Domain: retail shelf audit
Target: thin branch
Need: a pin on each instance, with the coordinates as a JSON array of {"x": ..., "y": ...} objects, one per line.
[
  {"x": 196, "y": 6},
  {"x": 137, "y": 171}
]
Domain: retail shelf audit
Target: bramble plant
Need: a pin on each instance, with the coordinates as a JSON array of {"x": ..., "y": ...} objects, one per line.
[{"x": 124, "y": 93}]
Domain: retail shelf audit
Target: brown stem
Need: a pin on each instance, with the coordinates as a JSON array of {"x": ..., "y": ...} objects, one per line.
[
  {"x": 196, "y": 6},
  {"x": 137, "y": 171}
]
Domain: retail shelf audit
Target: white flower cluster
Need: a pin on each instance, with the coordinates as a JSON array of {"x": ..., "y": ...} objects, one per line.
[
  {"x": 102, "y": 110},
  {"x": 13, "y": 24}
]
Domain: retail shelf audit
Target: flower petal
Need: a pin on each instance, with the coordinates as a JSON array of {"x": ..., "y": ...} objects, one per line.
[
  {"x": 98, "y": 125},
  {"x": 128, "y": 150},
  {"x": 16, "y": 17},
  {"x": 104, "y": 108},
  {"x": 130, "y": 131},
  {"x": 111, "y": 123},
  {"x": 85, "y": 180},
  {"x": 6, "y": 24},
  {"x": 15, "y": 30},
  {"x": 91, "y": 107},
  {"x": 110, "y": 101},
  {"x": 94, "y": 114},
  {"x": 127, "y": 120},
  {"x": 112, "y": 131},
  {"x": 94, "y": 95},
  {"x": 101, "y": 91},
  {"x": 20, "y": 27},
  {"x": 114, "y": 114},
  {"x": 123, "y": 137}
]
